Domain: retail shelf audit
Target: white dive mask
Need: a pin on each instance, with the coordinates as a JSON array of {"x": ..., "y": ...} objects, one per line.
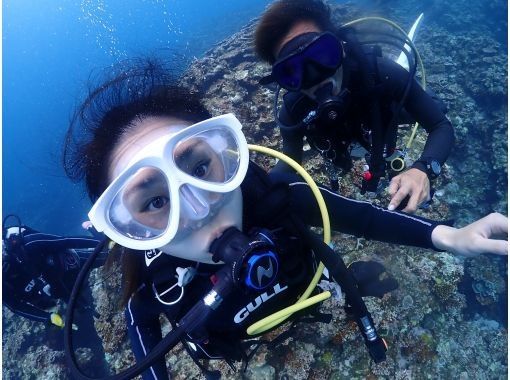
[{"x": 175, "y": 187}]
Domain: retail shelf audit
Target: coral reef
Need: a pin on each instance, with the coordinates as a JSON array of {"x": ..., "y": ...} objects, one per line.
[
  {"x": 423, "y": 321},
  {"x": 487, "y": 282},
  {"x": 31, "y": 350}
]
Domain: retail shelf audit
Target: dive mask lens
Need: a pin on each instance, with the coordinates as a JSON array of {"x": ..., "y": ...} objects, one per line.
[
  {"x": 310, "y": 63},
  {"x": 211, "y": 156},
  {"x": 289, "y": 72},
  {"x": 141, "y": 208},
  {"x": 326, "y": 51}
]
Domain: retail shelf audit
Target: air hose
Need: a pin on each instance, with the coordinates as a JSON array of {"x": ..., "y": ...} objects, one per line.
[{"x": 375, "y": 344}]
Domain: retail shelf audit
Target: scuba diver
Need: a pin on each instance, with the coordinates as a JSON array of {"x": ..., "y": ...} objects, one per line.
[
  {"x": 39, "y": 271},
  {"x": 208, "y": 238},
  {"x": 342, "y": 94}
]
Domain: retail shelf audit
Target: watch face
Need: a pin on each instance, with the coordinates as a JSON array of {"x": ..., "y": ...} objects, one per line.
[{"x": 435, "y": 167}]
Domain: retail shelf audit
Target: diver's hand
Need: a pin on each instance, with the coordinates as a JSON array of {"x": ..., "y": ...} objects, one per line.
[
  {"x": 87, "y": 224},
  {"x": 413, "y": 183},
  {"x": 475, "y": 238}
]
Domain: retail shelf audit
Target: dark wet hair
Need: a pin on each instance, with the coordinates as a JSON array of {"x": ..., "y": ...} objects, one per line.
[
  {"x": 128, "y": 93},
  {"x": 279, "y": 18}
]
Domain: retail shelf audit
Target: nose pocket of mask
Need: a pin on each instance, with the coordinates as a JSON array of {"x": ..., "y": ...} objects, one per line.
[
  {"x": 313, "y": 74},
  {"x": 194, "y": 205}
]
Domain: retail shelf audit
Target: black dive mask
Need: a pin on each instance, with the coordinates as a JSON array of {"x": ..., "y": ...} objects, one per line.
[{"x": 307, "y": 60}]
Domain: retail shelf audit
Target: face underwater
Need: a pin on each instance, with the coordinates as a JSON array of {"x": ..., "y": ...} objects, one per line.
[{"x": 174, "y": 187}]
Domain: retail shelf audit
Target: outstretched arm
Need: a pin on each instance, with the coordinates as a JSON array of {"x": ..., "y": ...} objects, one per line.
[
  {"x": 54, "y": 243},
  {"x": 360, "y": 218},
  {"x": 475, "y": 238},
  {"x": 363, "y": 219},
  {"x": 20, "y": 307}
]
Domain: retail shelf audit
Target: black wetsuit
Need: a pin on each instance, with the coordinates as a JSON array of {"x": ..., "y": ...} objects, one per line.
[
  {"x": 241, "y": 309},
  {"x": 41, "y": 271},
  {"x": 357, "y": 124},
  {"x": 38, "y": 270}
]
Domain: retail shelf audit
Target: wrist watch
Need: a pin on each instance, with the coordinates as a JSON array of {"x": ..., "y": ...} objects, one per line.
[{"x": 432, "y": 167}]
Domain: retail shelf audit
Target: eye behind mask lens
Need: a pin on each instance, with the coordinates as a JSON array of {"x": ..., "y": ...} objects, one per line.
[{"x": 314, "y": 74}]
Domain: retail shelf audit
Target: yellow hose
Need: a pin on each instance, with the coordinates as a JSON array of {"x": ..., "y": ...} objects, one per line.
[{"x": 303, "y": 301}]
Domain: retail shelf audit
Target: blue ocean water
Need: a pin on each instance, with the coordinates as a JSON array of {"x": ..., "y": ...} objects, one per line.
[{"x": 49, "y": 50}]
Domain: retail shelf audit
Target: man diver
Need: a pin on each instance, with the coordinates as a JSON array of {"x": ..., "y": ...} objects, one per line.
[{"x": 339, "y": 93}]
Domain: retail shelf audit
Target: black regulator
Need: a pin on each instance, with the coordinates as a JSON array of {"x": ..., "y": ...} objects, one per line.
[{"x": 252, "y": 259}]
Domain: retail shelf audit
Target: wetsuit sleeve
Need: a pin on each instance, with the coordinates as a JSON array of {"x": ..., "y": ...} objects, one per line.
[
  {"x": 144, "y": 330},
  {"x": 360, "y": 218},
  {"x": 15, "y": 304},
  {"x": 423, "y": 108},
  {"x": 53, "y": 243},
  {"x": 292, "y": 140},
  {"x": 293, "y": 147},
  {"x": 40, "y": 246}
]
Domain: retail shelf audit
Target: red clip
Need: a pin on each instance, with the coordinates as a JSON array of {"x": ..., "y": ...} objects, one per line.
[
  {"x": 367, "y": 176},
  {"x": 213, "y": 279}
]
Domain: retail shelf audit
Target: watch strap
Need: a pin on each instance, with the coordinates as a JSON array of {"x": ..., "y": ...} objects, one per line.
[{"x": 425, "y": 166}]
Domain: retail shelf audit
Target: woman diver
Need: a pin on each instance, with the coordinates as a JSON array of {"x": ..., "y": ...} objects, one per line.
[{"x": 174, "y": 188}]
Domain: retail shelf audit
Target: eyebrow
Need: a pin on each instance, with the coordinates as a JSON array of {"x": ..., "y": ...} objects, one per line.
[
  {"x": 189, "y": 150},
  {"x": 145, "y": 184}
]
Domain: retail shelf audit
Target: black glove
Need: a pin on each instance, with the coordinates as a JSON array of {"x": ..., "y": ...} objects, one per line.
[{"x": 367, "y": 275}]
